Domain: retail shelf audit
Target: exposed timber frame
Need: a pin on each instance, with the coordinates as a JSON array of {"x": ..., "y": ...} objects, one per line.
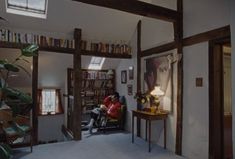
[
  {"x": 178, "y": 35},
  {"x": 77, "y": 108},
  {"x": 137, "y": 7},
  {"x": 138, "y": 70}
]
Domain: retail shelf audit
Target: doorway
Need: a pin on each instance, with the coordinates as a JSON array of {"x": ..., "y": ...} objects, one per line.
[{"x": 220, "y": 107}]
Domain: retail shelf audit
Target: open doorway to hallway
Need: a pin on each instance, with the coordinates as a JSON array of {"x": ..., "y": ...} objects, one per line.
[{"x": 220, "y": 106}]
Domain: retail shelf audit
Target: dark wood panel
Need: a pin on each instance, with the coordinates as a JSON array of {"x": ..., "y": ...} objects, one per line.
[
  {"x": 159, "y": 49},
  {"x": 178, "y": 35},
  {"x": 12, "y": 45},
  {"x": 228, "y": 137},
  {"x": 138, "y": 70},
  {"x": 198, "y": 38},
  {"x": 206, "y": 36},
  {"x": 57, "y": 50},
  {"x": 215, "y": 101},
  {"x": 35, "y": 99},
  {"x": 107, "y": 55},
  {"x": 77, "y": 110},
  {"x": 136, "y": 7},
  {"x": 67, "y": 133}
]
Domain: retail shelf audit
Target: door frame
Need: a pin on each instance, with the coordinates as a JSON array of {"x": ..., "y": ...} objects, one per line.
[{"x": 216, "y": 99}]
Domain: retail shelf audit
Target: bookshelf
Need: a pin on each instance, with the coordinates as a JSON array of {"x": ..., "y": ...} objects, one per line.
[
  {"x": 14, "y": 40},
  {"x": 117, "y": 48},
  {"x": 29, "y": 38},
  {"x": 96, "y": 85}
]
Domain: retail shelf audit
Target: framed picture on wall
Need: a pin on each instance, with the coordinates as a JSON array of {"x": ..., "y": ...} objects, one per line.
[
  {"x": 123, "y": 76},
  {"x": 129, "y": 89},
  {"x": 131, "y": 73}
]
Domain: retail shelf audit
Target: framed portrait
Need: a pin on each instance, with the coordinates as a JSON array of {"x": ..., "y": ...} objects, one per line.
[
  {"x": 123, "y": 76},
  {"x": 129, "y": 89},
  {"x": 159, "y": 73},
  {"x": 131, "y": 73}
]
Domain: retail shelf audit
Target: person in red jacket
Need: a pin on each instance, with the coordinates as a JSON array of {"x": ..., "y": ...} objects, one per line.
[{"x": 110, "y": 108}]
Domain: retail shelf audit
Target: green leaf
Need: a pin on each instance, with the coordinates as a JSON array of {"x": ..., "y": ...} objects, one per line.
[
  {"x": 30, "y": 50},
  {"x": 2, "y": 63},
  {"x": 11, "y": 67},
  {"x": 5, "y": 151},
  {"x": 17, "y": 95}
]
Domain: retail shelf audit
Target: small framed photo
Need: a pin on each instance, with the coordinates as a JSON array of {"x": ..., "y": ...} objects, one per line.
[
  {"x": 131, "y": 73},
  {"x": 123, "y": 76},
  {"x": 129, "y": 89}
]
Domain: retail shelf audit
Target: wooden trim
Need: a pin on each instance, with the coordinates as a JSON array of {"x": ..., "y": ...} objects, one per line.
[
  {"x": 67, "y": 133},
  {"x": 159, "y": 49},
  {"x": 20, "y": 145},
  {"x": 136, "y": 7},
  {"x": 35, "y": 99},
  {"x": 107, "y": 55},
  {"x": 178, "y": 35},
  {"x": 42, "y": 115},
  {"x": 206, "y": 36},
  {"x": 4, "y": 44},
  {"x": 77, "y": 68},
  {"x": 198, "y": 38},
  {"x": 215, "y": 101},
  {"x": 138, "y": 70}
]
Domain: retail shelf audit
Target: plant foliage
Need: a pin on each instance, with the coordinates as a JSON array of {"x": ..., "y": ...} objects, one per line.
[{"x": 12, "y": 96}]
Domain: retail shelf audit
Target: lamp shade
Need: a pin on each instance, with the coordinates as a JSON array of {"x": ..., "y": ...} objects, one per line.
[{"x": 157, "y": 91}]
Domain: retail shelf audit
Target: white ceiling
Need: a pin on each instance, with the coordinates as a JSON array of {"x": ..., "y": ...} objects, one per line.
[{"x": 97, "y": 23}]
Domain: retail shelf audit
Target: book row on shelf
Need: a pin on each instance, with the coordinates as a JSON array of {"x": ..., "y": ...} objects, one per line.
[
  {"x": 96, "y": 84},
  {"x": 28, "y": 38},
  {"x": 101, "y": 94},
  {"x": 121, "y": 48},
  {"x": 44, "y": 41},
  {"x": 95, "y": 75}
]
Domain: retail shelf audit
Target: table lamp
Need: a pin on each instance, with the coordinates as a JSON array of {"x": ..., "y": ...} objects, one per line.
[{"x": 156, "y": 93}]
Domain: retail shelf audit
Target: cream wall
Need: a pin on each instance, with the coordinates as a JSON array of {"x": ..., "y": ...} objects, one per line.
[
  {"x": 122, "y": 88},
  {"x": 195, "y": 102},
  {"x": 199, "y": 16},
  {"x": 52, "y": 73},
  {"x": 154, "y": 32},
  {"x": 204, "y": 15}
]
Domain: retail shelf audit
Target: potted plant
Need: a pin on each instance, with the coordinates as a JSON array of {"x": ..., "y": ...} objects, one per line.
[
  {"x": 141, "y": 99},
  {"x": 10, "y": 96}
]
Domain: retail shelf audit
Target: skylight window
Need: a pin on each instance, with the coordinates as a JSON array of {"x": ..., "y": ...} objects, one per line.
[
  {"x": 96, "y": 63},
  {"x": 33, "y": 8}
]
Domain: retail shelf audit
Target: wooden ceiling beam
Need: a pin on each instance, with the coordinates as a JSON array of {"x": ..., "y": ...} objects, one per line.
[{"x": 137, "y": 7}]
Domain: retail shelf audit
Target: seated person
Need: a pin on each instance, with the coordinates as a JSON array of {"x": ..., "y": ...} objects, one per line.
[{"x": 109, "y": 108}]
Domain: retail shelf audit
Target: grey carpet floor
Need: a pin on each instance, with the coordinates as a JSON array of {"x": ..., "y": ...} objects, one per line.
[{"x": 97, "y": 146}]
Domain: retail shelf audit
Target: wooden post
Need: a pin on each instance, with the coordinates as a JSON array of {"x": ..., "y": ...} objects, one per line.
[
  {"x": 138, "y": 70},
  {"x": 178, "y": 34},
  {"x": 34, "y": 96},
  {"x": 77, "y": 85}
]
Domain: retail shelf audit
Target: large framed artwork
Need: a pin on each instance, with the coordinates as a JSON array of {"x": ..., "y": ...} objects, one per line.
[{"x": 159, "y": 73}]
